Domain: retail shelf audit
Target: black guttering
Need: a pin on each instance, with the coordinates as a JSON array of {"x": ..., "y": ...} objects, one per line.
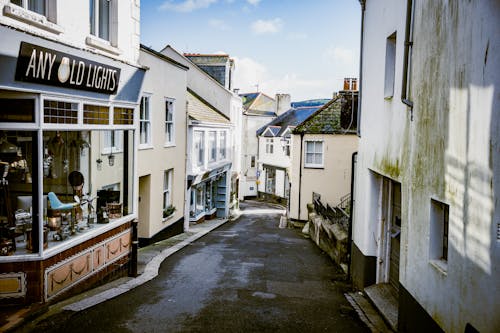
[
  {"x": 363, "y": 6},
  {"x": 351, "y": 213},
  {"x": 408, "y": 44},
  {"x": 164, "y": 57}
]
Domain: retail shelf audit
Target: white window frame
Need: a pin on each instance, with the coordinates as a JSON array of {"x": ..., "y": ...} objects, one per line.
[
  {"x": 169, "y": 108},
  {"x": 439, "y": 250},
  {"x": 25, "y": 4},
  {"x": 46, "y": 21},
  {"x": 117, "y": 147},
  {"x": 212, "y": 146},
  {"x": 145, "y": 119},
  {"x": 269, "y": 145},
  {"x": 167, "y": 188},
  {"x": 222, "y": 145},
  {"x": 306, "y": 152},
  {"x": 199, "y": 151},
  {"x": 95, "y": 19}
]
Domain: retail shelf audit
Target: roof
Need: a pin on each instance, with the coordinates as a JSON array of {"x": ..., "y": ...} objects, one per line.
[
  {"x": 339, "y": 115},
  {"x": 201, "y": 110},
  {"x": 290, "y": 118},
  {"x": 258, "y": 104},
  {"x": 164, "y": 57},
  {"x": 310, "y": 102}
]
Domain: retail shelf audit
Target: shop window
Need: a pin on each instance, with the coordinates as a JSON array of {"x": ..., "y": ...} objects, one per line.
[
  {"x": 222, "y": 145},
  {"x": 199, "y": 147},
  {"x": 60, "y": 112},
  {"x": 145, "y": 122},
  {"x": 95, "y": 114},
  {"x": 123, "y": 116},
  {"x": 439, "y": 231},
  {"x": 212, "y": 143},
  {"x": 314, "y": 154},
  {"x": 270, "y": 180},
  {"x": 169, "y": 122},
  {"x": 17, "y": 110}
]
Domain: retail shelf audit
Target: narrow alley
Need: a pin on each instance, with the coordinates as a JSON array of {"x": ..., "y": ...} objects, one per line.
[{"x": 248, "y": 275}]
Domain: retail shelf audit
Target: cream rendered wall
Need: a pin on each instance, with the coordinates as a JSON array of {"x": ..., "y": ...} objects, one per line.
[
  {"x": 72, "y": 26},
  {"x": 163, "y": 80},
  {"x": 332, "y": 182}
]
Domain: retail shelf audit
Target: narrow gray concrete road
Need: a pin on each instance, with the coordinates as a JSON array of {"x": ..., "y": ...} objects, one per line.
[{"x": 246, "y": 276}]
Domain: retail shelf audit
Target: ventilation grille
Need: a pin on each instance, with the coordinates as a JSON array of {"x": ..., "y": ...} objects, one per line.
[
  {"x": 123, "y": 116},
  {"x": 56, "y": 112},
  {"x": 95, "y": 114}
]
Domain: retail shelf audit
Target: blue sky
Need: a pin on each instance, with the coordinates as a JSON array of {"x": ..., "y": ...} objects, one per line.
[{"x": 301, "y": 47}]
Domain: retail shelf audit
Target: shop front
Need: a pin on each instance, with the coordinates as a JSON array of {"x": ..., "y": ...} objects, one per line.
[
  {"x": 209, "y": 195},
  {"x": 67, "y": 170}
]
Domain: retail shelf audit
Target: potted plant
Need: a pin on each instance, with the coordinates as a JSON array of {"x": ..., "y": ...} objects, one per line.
[{"x": 168, "y": 211}]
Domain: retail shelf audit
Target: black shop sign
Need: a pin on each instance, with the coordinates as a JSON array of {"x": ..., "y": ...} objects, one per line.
[{"x": 41, "y": 65}]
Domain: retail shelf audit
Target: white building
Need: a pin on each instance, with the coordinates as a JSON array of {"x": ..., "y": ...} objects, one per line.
[
  {"x": 162, "y": 147},
  {"x": 258, "y": 110},
  {"x": 205, "y": 91},
  {"x": 69, "y": 93},
  {"x": 426, "y": 213}
]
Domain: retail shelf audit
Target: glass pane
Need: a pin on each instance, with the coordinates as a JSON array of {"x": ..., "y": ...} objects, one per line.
[
  {"x": 38, "y": 6},
  {"x": 309, "y": 147},
  {"x": 17, "y": 2},
  {"x": 104, "y": 19},
  {"x": 318, "y": 159},
  {"x": 318, "y": 147},
  {"x": 309, "y": 158},
  {"x": 92, "y": 16}
]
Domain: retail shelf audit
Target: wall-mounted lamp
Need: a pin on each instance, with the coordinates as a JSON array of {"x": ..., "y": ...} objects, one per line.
[
  {"x": 99, "y": 164},
  {"x": 111, "y": 159}
]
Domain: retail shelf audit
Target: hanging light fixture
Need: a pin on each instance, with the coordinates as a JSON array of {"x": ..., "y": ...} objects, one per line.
[
  {"x": 111, "y": 157},
  {"x": 99, "y": 164}
]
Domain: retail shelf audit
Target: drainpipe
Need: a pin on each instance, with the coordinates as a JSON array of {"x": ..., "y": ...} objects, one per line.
[
  {"x": 360, "y": 83},
  {"x": 300, "y": 169},
  {"x": 351, "y": 213},
  {"x": 408, "y": 44}
]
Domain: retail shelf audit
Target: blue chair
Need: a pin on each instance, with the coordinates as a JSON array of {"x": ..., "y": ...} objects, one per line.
[{"x": 56, "y": 204}]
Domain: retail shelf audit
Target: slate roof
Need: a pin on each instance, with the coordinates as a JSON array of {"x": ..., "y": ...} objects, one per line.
[
  {"x": 292, "y": 118},
  {"x": 339, "y": 115},
  {"x": 201, "y": 110},
  {"x": 258, "y": 104},
  {"x": 311, "y": 102}
]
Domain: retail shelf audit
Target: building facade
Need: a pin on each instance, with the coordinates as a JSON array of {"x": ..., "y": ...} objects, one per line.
[
  {"x": 69, "y": 93},
  {"x": 425, "y": 225},
  {"x": 321, "y": 149},
  {"x": 162, "y": 147}
]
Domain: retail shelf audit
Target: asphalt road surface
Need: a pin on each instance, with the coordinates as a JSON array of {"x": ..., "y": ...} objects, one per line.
[{"x": 246, "y": 276}]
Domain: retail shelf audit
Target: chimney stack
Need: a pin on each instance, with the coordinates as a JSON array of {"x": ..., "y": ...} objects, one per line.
[
  {"x": 283, "y": 103},
  {"x": 350, "y": 84}
]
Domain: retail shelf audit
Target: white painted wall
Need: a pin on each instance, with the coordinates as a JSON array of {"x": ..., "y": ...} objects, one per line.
[
  {"x": 163, "y": 80},
  {"x": 69, "y": 24},
  {"x": 448, "y": 152}
]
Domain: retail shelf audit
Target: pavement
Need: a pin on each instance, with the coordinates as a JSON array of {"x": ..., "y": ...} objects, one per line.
[{"x": 149, "y": 261}]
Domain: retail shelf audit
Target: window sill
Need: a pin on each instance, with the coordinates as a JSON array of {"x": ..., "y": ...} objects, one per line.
[
  {"x": 165, "y": 219},
  {"x": 146, "y": 147},
  {"x": 388, "y": 98},
  {"x": 440, "y": 265},
  {"x": 31, "y": 18},
  {"x": 102, "y": 44},
  {"x": 314, "y": 166},
  {"x": 169, "y": 145}
]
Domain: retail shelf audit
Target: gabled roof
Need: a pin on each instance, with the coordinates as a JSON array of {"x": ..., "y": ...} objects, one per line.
[
  {"x": 339, "y": 115},
  {"x": 258, "y": 104},
  {"x": 292, "y": 117},
  {"x": 271, "y": 131},
  {"x": 200, "y": 110}
]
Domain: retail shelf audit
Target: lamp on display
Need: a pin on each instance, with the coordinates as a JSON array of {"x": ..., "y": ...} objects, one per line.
[
  {"x": 111, "y": 159},
  {"x": 99, "y": 164}
]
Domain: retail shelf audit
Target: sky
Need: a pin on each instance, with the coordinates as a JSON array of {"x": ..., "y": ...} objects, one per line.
[{"x": 301, "y": 47}]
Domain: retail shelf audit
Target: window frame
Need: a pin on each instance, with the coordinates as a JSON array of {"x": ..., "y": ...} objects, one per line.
[
  {"x": 169, "y": 123},
  {"x": 390, "y": 65},
  {"x": 439, "y": 233},
  {"x": 199, "y": 151},
  {"x": 222, "y": 145},
  {"x": 212, "y": 146},
  {"x": 167, "y": 188},
  {"x": 269, "y": 145},
  {"x": 314, "y": 165},
  {"x": 146, "y": 120},
  {"x": 95, "y": 19}
]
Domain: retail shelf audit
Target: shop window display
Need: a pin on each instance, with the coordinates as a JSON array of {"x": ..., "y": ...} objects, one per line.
[{"x": 74, "y": 178}]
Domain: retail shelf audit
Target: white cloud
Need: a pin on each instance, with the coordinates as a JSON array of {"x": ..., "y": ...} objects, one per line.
[
  {"x": 186, "y": 6},
  {"x": 219, "y": 24},
  {"x": 249, "y": 73},
  {"x": 336, "y": 54},
  {"x": 254, "y": 2},
  {"x": 267, "y": 26}
]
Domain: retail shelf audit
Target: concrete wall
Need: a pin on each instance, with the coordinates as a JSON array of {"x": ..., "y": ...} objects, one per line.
[
  {"x": 332, "y": 182},
  {"x": 449, "y": 152},
  {"x": 69, "y": 24},
  {"x": 163, "y": 80}
]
